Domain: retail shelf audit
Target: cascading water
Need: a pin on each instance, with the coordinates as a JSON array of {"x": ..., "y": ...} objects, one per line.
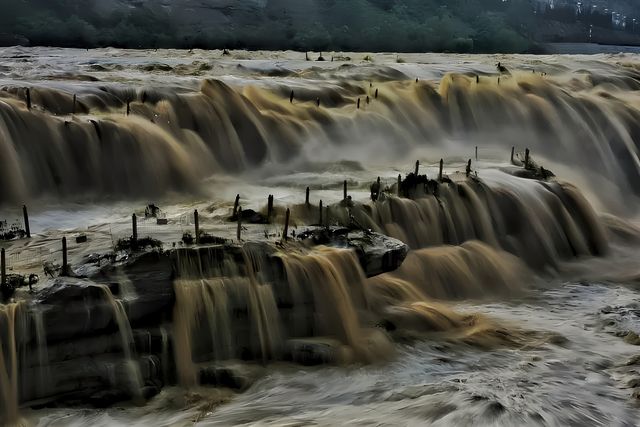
[
  {"x": 222, "y": 311},
  {"x": 9, "y": 318},
  {"x": 134, "y": 378},
  {"x": 485, "y": 249},
  {"x": 174, "y": 139},
  {"x": 509, "y": 213}
]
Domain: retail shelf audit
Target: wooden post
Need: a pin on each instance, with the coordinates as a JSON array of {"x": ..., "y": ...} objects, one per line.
[
  {"x": 376, "y": 94},
  {"x": 358, "y": 105},
  {"x": 306, "y": 198},
  {"x": 28, "y": 98},
  {"x": 75, "y": 100},
  {"x": 477, "y": 79},
  {"x": 25, "y": 214},
  {"x": 128, "y": 107},
  {"x": 417, "y": 167},
  {"x": 526, "y": 158},
  {"x": 134, "y": 227},
  {"x": 320, "y": 216},
  {"x": 285, "y": 234},
  {"x": 344, "y": 190},
  {"x": 513, "y": 150},
  {"x": 440, "y": 171},
  {"x": 196, "y": 221},
  {"x": 269, "y": 207},
  {"x": 399, "y": 184},
  {"x": 469, "y": 167},
  {"x": 239, "y": 231},
  {"x": 291, "y": 98},
  {"x": 65, "y": 260},
  {"x": 318, "y": 101},
  {"x": 476, "y": 153},
  {"x": 3, "y": 268},
  {"x": 235, "y": 205}
]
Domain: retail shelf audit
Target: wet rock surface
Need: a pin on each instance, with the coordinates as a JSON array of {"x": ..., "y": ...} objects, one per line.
[
  {"x": 83, "y": 318},
  {"x": 377, "y": 253}
]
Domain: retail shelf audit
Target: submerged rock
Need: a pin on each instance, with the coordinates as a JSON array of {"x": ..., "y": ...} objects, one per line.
[
  {"x": 316, "y": 351},
  {"x": 236, "y": 376},
  {"x": 376, "y": 252}
]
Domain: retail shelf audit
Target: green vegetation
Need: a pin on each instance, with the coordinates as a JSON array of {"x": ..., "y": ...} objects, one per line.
[{"x": 329, "y": 25}]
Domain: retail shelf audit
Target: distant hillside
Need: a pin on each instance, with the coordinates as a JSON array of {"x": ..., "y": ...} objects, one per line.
[{"x": 382, "y": 25}]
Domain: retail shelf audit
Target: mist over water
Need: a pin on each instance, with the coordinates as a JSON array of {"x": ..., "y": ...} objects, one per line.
[{"x": 515, "y": 304}]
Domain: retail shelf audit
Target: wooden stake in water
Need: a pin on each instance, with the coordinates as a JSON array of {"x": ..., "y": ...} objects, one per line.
[
  {"x": 399, "y": 184},
  {"x": 27, "y": 95},
  {"x": 513, "y": 151},
  {"x": 285, "y": 234},
  {"x": 320, "y": 216},
  {"x": 3, "y": 268},
  {"x": 128, "y": 107},
  {"x": 239, "y": 231},
  {"x": 65, "y": 260},
  {"x": 469, "y": 167},
  {"x": 476, "y": 153},
  {"x": 306, "y": 197},
  {"x": 75, "y": 100},
  {"x": 291, "y": 97},
  {"x": 25, "y": 214},
  {"x": 376, "y": 94},
  {"x": 269, "y": 207},
  {"x": 134, "y": 228},
  {"x": 235, "y": 205},
  {"x": 358, "y": 105},
  {"x": 417, "y": 167},
  {"x": 196, "y": 221},
  {"x": 344, "y": 190},
  {"x": 440, "y": 170},
  {"x": 526, "y": 158}
]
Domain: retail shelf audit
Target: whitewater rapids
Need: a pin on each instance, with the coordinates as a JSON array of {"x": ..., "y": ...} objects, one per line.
[{"x": 513, "y": 306}]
